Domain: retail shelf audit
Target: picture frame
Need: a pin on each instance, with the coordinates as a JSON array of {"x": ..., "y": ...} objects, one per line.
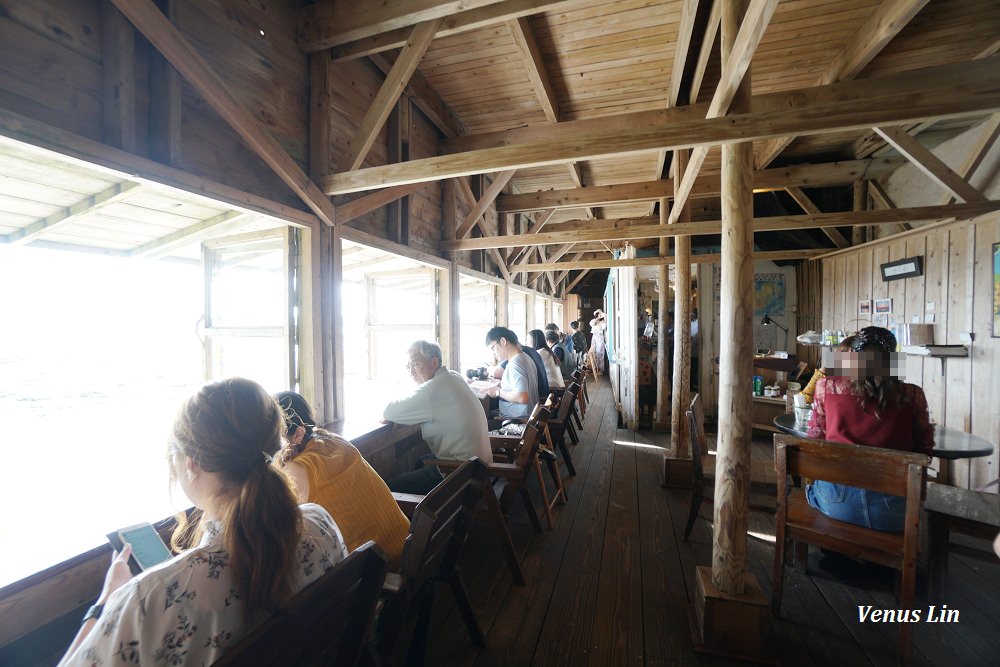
[
  {"x": 883, "y": 306},
  {"x": 996, "y": 290},
  {"x": 865, "y": 308},
  {"x": 902, "y": 268}
]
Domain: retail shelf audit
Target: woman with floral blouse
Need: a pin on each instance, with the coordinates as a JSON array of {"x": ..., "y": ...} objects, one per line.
[{"x": 253, "y": 547}]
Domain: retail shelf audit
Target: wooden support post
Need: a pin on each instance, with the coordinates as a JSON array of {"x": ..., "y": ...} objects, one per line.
[
  {"x": 679, "y": 444},
  {"x": 662, "y": 380},
  {"x": 449, "y": 203},
  {"x": 731, "y": 594},
  {"x": 118, "y": 59},
  {"x": 165, "y": 99},
  {"x": 859, "y": 234}
]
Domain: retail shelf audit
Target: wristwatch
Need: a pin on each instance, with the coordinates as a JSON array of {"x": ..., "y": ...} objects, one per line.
[{"x": 93, "y": 612}]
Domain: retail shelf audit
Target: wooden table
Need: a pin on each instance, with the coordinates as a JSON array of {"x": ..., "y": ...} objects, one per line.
[
  {"x": 949, "y": 443},
  {"x": 765, "y": 410}
]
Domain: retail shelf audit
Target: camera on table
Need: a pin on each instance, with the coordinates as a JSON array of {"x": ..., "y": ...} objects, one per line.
[{"x": 477, "y": 373}]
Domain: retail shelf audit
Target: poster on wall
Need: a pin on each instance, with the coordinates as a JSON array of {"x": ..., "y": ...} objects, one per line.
[
  {"x": 768, "y": 294},
  {"x": 996, "y": 290}
]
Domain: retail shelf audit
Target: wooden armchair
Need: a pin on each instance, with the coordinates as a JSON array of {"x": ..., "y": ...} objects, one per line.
[
  {"x": 327, "y": 622},
  {"x": 430, "y": 555},
  {"x": 884, "y": 470},
  {"x": 559, "y": 424}
]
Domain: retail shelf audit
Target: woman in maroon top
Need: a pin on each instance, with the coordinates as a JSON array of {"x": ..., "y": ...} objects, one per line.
[{"x": 862, "y": 403}]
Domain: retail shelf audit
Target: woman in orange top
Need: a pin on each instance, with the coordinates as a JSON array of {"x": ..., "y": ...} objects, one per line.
[{"x": 328, "y": 470}]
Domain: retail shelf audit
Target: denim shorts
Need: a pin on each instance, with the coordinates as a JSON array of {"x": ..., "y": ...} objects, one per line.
[{"x": 861, "y": 507}]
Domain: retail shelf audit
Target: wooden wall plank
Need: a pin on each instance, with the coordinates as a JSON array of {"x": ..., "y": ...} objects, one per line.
[
  {"x": 916, "y": 246},
  {"x": 961, "y": 244},
  {"x": 985, "y": 355},
  {"x": 936, "y": 291}
]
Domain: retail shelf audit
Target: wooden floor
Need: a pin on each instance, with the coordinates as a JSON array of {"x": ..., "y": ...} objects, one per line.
[{"x": 611, "y": 585}]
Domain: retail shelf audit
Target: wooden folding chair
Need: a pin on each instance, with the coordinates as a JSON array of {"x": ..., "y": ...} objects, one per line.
[
  {"x": 884, "y": 470},
  {"x": 438, "y": 529},
  {"x": 327, "y": 623},
  {"x": 699, "y": 446}
]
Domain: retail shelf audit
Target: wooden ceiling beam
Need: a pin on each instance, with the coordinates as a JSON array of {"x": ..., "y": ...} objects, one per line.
[
  {"x": 711, "y": 31},
  {"x": 387, "y": 96},
  {"x": 496, "y": 187},
  {"x": 773, "y": 223},
  {"x": 611, "y": 263},
  {"x": 427, "y": 99},
  {"x": 576, "y": 281},
  {"x": 465, "y": 191},
  {"x": 924, "y": 160},
  {"x": 805, "y": 175},
  {"x": 162, "y": 34},
  {"x": 988, "y": 133},
  {"x": 808, "y": 206},
  {"x": 366, "y": 204},
  {"x": 83, "y": 208},
  {"x": 954, "y": 90},
  {"x": 882, "y": 199},
  {"x": 885, "y": 23},
  {"x": 333, "y": 22},
  {"x": 534, "y": 65},
  {"x": 471, "y": 19},
  {"x": 755, "y": 20}
]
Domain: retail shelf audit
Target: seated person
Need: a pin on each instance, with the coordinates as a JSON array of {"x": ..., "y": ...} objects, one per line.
[
  {"x": 553, "y": 375},
  {"x": 452, "y": 420},
  {"x": 327, "y": 470},
  {"x": 248, "y": 548},
  {"x": 518, "y": 389},
  {"x": 543, "y": 376},
  {"x": 820, "y": 372},
  {"x": 862, "y": 403}
]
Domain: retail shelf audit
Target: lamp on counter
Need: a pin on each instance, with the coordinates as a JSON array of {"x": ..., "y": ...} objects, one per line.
[{"x": 767, "y": 321}]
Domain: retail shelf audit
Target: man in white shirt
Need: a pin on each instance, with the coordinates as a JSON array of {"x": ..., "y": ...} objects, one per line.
[
  {"x": 518, "y": 390},
  {"x": 452, "y": 420}
]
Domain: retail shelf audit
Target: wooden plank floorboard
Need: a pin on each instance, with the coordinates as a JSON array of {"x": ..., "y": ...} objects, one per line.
[
  {"x": 616, "y": 638},
  {"x": 666, "y": 634},
  {"x": 514, "y": 636},
  {"x": 565, "y": 636}
]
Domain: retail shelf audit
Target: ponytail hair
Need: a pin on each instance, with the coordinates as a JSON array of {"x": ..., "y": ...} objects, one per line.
[{"x": 233, "y": 428}]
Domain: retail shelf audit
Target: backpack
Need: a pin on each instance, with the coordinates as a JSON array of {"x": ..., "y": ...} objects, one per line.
[{"x": 568, "y": 365}]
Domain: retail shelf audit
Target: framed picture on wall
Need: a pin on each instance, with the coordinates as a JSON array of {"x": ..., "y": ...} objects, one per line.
[
  {"x": 865, "y": 307},
  {"x": 883, "y": 306},
  {"x": 996, "y": 290}
]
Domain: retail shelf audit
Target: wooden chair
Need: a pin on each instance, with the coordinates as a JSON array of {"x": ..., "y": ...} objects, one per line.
[
  {"x": 327, "y": 623},
  {"x": 884, "y": 470},
  {"x": 699, "y": 447},
  {"x": 438, "y": 529}
]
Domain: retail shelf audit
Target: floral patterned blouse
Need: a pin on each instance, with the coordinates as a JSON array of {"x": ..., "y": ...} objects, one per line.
[{"x": 186, "y": 611}]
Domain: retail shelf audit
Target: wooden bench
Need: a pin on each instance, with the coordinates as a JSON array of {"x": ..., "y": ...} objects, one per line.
[{"x": 964, "y": 510}]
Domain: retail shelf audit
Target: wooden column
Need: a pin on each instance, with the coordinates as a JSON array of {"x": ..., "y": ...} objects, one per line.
[
  {"x": 118, "y": 61},
  {"x": 324, "y": 359},
  {"x": 662, "y": 380},
  {"x": 679, "y": 443},
  {"x": 859, "y": 234},
  {"x": 451, "y": 315},
  {"x": 165, "y": 100},
  {"x": 730, "y": 608}
]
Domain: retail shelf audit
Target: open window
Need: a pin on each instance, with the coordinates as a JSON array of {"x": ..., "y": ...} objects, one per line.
[
  {"x": 248, "y": 322},
  {"x": 517, "y": 313},
  {"x": 477, "y": 314}
]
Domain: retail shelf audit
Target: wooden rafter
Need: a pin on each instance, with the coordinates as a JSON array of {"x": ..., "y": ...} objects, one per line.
[
  {"x": 988, "y": 133},
  {"x": 930, "y": 164},
  {"x": 191, "y": 234},
  {"x": 576, "y": 281},
  {"x": 370, "y": 202},
  {"x": 711, "y": 31},
  {"x": 885, "y": 23},
  {"x": 471, "y": 19},
  {"x": 522, "y": 254},
  {"x": 564, "y": 274},
  {"x": 955, "y": 90},
  {"x": 83, "y": 208},
  {"x": 810, "y": 175},
  {"x": 774, "y": 223},
  {"x": 334, "y": 22},
  {"x": 162, "y": 34},
  {"x": 611, "y": 263},
  {"x": 465, "y": 191},
  {"x": 807, "y": 204},
  {"x": 534, "y": 65},
  {"x": 425, "y": 98},
  {"x": 758, "y": 15},
  {"x": 387, "y": 96},
  {"x": 496, "y": 187}
]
